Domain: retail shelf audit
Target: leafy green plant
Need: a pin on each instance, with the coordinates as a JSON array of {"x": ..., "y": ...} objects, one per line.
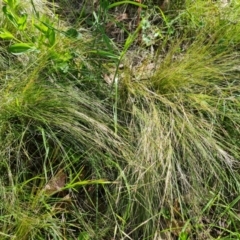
[{"x": 44, "y": 35}]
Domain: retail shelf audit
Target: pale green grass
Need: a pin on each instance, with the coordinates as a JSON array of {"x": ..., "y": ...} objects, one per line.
[{"x": 178, "y": 116}]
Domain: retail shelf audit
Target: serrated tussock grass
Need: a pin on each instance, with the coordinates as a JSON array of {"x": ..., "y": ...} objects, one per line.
[{"x": 183, "y": 122}]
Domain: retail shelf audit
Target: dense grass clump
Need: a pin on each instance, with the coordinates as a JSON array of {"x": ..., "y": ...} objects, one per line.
[
  {"x": 124, "y": 134},
  {"x": 48, "y": 129},
  {"x": 183, "y": 148}
]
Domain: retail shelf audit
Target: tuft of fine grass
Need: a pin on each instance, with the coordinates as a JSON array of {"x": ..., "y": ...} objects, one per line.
[{"x": 183, "y": 150}]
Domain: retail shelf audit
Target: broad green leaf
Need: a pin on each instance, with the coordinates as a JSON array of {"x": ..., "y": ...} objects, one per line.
[
  {"x": 10, "y": 16},
  {"x": 11, "y": 3},
  {"x": 20, "y": 48},
  {"x": 51, "y": 36},
  {"x": 4, "y": 34},
  {"x": 22, "y": 22},
  {"x": 42, "y": 28}
]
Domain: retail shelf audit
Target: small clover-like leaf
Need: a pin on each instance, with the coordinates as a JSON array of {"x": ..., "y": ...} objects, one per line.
[{"x": 72, "y": 33}]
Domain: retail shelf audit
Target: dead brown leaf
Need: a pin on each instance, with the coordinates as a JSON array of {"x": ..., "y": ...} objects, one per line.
[{"x": 56, "y": 183}]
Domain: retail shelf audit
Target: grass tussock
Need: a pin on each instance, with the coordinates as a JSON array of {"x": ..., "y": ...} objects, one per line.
[
  {"x": 182, "y": 148},
  {"x": 97, "y": 143}
]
